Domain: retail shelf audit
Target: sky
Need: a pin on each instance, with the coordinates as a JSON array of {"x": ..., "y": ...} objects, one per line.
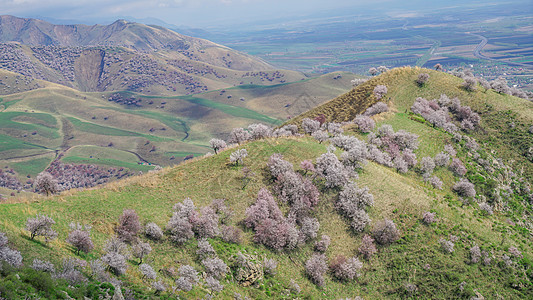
[{"x": 201, "y": 13}]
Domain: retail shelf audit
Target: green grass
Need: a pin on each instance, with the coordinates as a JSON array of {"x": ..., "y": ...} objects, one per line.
[
  {"x": 401, "y": 198},
  {"x": 232, "y": 110},
  {"x": 106, "y": 162},
  {"x": 9, "y": 143},
  {"x": 44, "y": 131},
  {"x": 106, "y": 130},
  {"x": 31, "y": 167}
]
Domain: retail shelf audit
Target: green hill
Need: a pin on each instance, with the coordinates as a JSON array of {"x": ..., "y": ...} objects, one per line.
[{"x": 415, "y": 266}]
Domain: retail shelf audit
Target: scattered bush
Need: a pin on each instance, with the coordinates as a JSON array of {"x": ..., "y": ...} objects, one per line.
[
  {"x": 307, "y": 166},
  {"x": 217, "y": 145},
  {"x": 309, "y": 126},
  {"x": 447, "y": 246},
  {"x": 147, "y": 271},
  {"x": 43, "y": 266},
  {"x": 153, "y": 232},
  {"x": 238, "y": 156},
  {"x": 140, "y": 250},
  {"x": 465, "y": 188},
  {"x": 205, "y": 223},
  {"x": 442, "y": 159},
  {"x": 457, "y": 167},
  {"x": 346, "y": 269},
  {"x": 231, "y": 234},
  {"x": 475, "y": 254},
  {"x": 80, "y": 238},
  {"x": 270, "y": 266},
  {"x": 364, "y": 123},
  {"x": 486, "y": 208},
  {"x": 500, "y": 85},
  {"x": 320, "y": 135},
  {"x": 385, "y": 232},
  {"x": 469, "y": 83},
  {"x": 213, "y": 284},
  {"x": 259, "y": 131},
  {"x": 265, "y": 207},
  {"x": 422, "y": 78},
  {"x": 330, "y": 168},
  {"x": 188, "y": 277},
  {"x": 378, "y": 107},
  {"x": 435, "y": 182},
  {"x": 367, "y": 248},
  {"x": 278, "y": 166},
  {"x": 323, "y": 244},
  {"x": 116, "y": 263},
  {"x": 215, "y": 267},
  {"x": 427, "y": 165},
  {"x": 316, "y": 267},
  {"x": 41, "y": 225},
  {"x": 129, "y": 225},
  {"x": 353, "y": 199},
  {"x": 205, "y": 249},
  {"x": 239, "y": 136},
  {"x": 46, "y": 183},
  {"x": 429, "y": 218}
]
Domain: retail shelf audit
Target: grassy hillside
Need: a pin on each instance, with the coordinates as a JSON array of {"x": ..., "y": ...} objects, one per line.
[
  {"x": 415, "y": 259},
  {"x": 505, "y": 119},
  {"x": 124, "y": 127}
]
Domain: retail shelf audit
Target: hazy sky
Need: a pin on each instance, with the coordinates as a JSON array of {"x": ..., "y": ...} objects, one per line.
[{"x": 199, "y": 13}]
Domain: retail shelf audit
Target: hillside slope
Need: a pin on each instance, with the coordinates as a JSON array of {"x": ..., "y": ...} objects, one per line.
[
  {"x": 42, "y": 120},
  {"x": 420, "y": 264}
]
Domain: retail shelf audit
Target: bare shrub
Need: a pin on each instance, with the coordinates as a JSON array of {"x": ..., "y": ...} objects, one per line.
[
  {"x": 80, "y": 238},
  {"x": 46, "y": 183},
  {"x": 140, "y": 250},
  {"x": 129, "y": 225},
  {"x": 378, "y": 107},
  {"x": 364, "y": 123},
  {"x": 41, "y": 225},
  {"x": 316, "y": 267},
  {"x": 153, "y": 232},
  {"x": 429, "y": 218},
  {"x": 270, "y": 266},
  {"x": 367, "y": 248},
  {"x": 215, "y": 267},
  {"x": 465, "y": 188},
  {"x": 457, "y": 167},
  {"x": 447, "y": 246},
  {"x": 323, "y": 244},
  {"x": 231, "y": 234},
  {"x": 422, "y": 78},
  {"x": 217, "y": 144},
  {"x": 309, "y": 126},
  {"x": 43, "y": 266},
  {"x": 385, "y": 232},
  {"x": 147, "y": 271},
  {"x": 346, "y": 269},
  {"x": 205, "y": 249},
  {"x": 277, "y": 165},
  {"x": 237, "y": 157}
]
